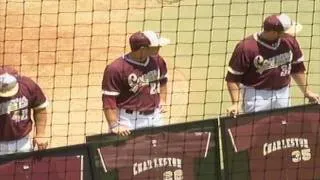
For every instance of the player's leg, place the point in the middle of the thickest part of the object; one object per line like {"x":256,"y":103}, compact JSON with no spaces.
{"x":21,"y":145}
{"x":133,"y":120}
{"x":256,"y":100}
{"x":127,"y":119}
{"x":150,"y":120}
{"x":157,"y":119}
{"x":4,"y":147}
{"x":282,"y":98}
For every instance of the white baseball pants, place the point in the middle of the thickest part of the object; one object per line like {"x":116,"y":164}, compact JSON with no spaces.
{"x":21,"y":145}
{"x":135,"y":120}
{"x":255,"y":100}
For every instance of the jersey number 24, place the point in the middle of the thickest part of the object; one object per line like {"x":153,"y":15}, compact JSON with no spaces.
{"x":155,"y":88}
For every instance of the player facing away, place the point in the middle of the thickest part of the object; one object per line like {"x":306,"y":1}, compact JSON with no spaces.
{"x":135,"y":85}
{"x":263,"y":64}
{"x":19,"y":95}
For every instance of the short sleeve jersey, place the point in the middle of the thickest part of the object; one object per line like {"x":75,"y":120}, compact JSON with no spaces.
{"x":135,"y":86}
{"x":257,"y":64}
{"x":15,"y":111}
{"x":162,"y":156}
{"x":281,"y":147}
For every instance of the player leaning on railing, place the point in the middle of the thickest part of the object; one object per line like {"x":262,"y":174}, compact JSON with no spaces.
{"x":19,"y":95}
{"x":135,"y":85}
{"x":263,"y":65}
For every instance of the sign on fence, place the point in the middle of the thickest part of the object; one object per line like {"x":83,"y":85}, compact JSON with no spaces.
{"x":281,"y":144}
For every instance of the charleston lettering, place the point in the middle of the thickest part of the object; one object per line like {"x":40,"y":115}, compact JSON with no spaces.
{"x":284,"y":144}
{"x":272,"y":62}
{"x":156,"y":163}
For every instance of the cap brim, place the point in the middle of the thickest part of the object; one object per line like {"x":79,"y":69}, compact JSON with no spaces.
{"x":294,"y":29}
{"x":162,"y":42}
{"x":11,"y":92}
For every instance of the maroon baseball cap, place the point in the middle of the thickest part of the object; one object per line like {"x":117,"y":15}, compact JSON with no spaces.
{"x":146,"y":39}
{"x":281,"y":23}
{"x":8,"y":81}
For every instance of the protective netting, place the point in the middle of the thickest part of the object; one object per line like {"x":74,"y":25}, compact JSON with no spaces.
{"x":65,"y":46}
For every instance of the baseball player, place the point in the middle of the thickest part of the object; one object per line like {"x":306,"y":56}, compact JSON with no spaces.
{"x":281,"y":146}
{"x":19,"y":95}
{"x":135,"y":85}
{"x":263,"y":64}
{"x":161,"y":156}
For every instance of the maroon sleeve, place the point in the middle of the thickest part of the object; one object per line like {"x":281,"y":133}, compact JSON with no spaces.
{"x":238,"y":64}
{"x":38,"y":99}
{"x":111,"y":87}
{"x":163,"y":71}
{"x":111,"y":83}
{"x":297,"y":60}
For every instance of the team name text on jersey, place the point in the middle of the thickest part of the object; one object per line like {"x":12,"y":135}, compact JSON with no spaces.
{"x":135,"y":82}
{"x":273,"y":62}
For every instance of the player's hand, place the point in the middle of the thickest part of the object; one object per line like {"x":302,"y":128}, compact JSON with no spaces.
{"x":121,"y":130}
{"x":40,"y":142}
{"x":234,"y":110}
{"x":313,"y":97}
{"x":163,"y":108}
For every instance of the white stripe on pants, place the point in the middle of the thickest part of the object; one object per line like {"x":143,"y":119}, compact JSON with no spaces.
{"x":136,"y":120}
{"x":21,"y":145}
{"x":255,"y":100}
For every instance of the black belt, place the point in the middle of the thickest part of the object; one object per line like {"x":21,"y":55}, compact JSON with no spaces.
{"x":140,"y":112}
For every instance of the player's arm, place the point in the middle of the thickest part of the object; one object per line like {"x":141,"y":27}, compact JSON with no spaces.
{"x":111,"y":86}
{"x":163,"y":84}
{"x":238,"y":65}
{"x":112,"y":116}
{"x":298,"y":73}
{"x":39,"y":105}
{"x":301,"y":80}
{"x":235,"y":95}
{"x":234,"y":91}
{"x":163,"y":93}
{"x":163,"y":98}
{"x":41,"y":120}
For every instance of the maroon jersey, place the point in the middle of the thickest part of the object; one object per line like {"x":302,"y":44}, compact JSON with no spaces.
{"x":129,"y":84}
{"x":15,"y":111}
{"x":257,"y":64}
{"x":281,"y":147}
{"x":161,"y":156}
{"x":54,"y":168}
